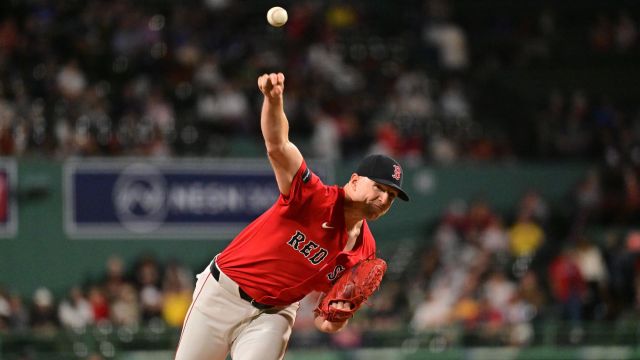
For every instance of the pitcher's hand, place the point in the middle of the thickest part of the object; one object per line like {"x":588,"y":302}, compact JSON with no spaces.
{"x":272,"y":86}
{"x":327,"y":326}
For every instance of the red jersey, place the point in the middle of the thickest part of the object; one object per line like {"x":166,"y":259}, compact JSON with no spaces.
{"x":297,"y":245}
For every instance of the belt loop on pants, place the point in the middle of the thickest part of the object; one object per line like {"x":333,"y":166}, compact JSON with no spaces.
{"x":228,"y":284}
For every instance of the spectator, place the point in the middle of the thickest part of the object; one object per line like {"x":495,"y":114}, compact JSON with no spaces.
{"x":99,"y":304}
{"x":454,"y":104}
{"x":226,"y":110}
{"x":519,"y":314}
{"x":451,"y":42}
{"x":325,"y":140}
{"x":568,"y":286}
{"x":534,"y":206}
{"x":177,"y":294}
{"x":499,"y":291}
{"x":525,"y":236}
{"x":43,"y":317}
{"x":115,"y":277}
{"x":432,"y":312}
{"x":491,"y":322}
{"x":125,"y":308}
{"x":479,"y":218}
{"x":148,"y":277}
{"x":495,"y":239}
{"x":19,"y":319}
{"x":530,"y":292}
{"x":71,"y":80}
{"x":75,"y":311}
{"x":467,"y":308}
{"x":589,"y":260}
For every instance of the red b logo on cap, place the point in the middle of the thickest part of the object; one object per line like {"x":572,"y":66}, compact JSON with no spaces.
{"x":397,"y":172}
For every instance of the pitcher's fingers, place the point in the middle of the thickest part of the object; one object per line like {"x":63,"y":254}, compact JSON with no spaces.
{"x":342,"y":305}
{"x":281,"y":78}
{"x":262,"y":81}
{"x":274,"y":79}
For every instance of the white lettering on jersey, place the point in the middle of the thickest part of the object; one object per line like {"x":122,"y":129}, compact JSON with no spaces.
{"x":335,"y":273}
{"x":307,"y":249}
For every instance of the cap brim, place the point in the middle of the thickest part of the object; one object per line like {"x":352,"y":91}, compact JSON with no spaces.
{"x":401,"y":194}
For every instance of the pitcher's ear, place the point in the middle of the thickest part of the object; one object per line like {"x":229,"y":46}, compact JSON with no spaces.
{"x":354,"y":179}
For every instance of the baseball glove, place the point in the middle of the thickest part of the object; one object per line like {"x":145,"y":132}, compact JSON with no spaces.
{"x":355,"y":286}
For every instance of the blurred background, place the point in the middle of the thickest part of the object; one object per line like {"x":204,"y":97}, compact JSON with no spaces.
{"x":132,"y":154}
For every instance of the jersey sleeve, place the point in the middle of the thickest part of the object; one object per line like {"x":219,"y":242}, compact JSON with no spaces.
{"x":304,"y":184}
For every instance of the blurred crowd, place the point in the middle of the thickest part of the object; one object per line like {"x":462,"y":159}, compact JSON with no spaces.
{"x":167,"y":78}
{"x":146,"y":293}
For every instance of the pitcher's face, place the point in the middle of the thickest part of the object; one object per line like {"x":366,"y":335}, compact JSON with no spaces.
{"x":376,"y":198}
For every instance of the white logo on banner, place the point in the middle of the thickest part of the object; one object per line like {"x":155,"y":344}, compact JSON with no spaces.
{"x":139,"y":196}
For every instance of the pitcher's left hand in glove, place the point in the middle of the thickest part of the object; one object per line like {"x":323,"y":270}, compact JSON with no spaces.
{"x":354,"y":287}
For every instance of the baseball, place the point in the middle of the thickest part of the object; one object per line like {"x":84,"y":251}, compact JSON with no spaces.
{"x":277,"y":16}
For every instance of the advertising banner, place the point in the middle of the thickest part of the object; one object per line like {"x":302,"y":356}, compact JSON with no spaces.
{"x":168,"y":199}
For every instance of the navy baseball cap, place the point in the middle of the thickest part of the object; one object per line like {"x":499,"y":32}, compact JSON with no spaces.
{"x":384,"y":170}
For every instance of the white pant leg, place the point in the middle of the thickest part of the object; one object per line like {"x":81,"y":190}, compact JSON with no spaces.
{"x":213,"y":318}
{"x":266,"y":336}
{"x":198,"y":341}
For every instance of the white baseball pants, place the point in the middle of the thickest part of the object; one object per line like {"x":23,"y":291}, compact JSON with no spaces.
{"x":219,"y":322}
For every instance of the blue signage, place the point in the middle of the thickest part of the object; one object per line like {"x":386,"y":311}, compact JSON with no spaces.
{"x":177,"y":199}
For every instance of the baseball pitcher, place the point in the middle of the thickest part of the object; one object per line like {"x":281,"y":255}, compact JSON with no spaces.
{"x":315,"y":237}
